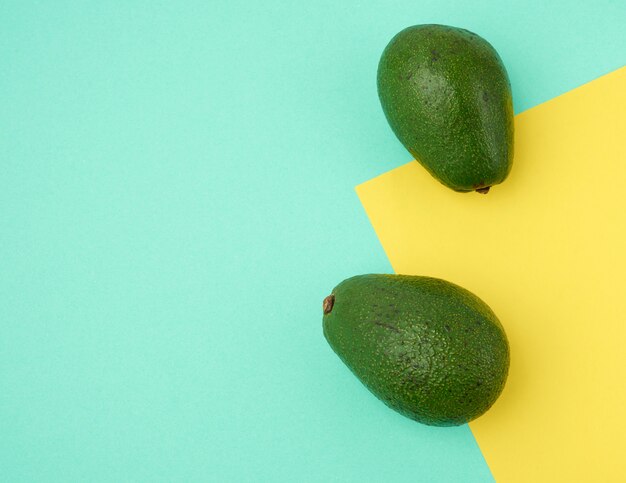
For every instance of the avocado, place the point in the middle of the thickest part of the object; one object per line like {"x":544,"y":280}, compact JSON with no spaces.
{"x":447,"y":97}
{"x":427,"y":348}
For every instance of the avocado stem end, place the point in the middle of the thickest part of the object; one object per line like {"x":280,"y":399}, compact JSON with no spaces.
{"x":328,"y":303}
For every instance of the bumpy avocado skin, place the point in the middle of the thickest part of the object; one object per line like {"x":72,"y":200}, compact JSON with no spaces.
{"x":447,"y":97}
{"x":427,"y":348}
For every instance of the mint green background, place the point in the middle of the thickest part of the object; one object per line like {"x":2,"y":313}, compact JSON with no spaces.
{"x":176,"y":198}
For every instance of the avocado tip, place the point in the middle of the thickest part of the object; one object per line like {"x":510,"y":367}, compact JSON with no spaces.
{"x":483,"y":191}
{"x":328,"y":303}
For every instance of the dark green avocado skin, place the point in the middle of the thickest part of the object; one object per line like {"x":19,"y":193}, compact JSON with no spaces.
{"x":427,"y":348}
{"x":447,"y":97}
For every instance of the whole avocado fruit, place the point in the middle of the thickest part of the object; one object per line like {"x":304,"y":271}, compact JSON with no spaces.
{"x":447,"y":97}
{"x":427,"y":348}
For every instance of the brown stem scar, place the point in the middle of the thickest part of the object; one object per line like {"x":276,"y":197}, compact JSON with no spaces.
{"x":328,"y":303}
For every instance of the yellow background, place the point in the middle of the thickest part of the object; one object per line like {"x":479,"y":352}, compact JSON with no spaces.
{"x":547,"y":251}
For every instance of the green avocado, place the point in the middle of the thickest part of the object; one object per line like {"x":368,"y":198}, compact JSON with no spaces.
{"x":427,"y":348}
{"x":447,"y":97}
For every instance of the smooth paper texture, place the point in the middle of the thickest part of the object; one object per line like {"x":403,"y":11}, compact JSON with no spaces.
{"x":546,"y":250}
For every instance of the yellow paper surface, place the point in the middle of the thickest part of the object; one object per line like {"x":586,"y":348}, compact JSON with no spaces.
{"x":547,"y":251}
